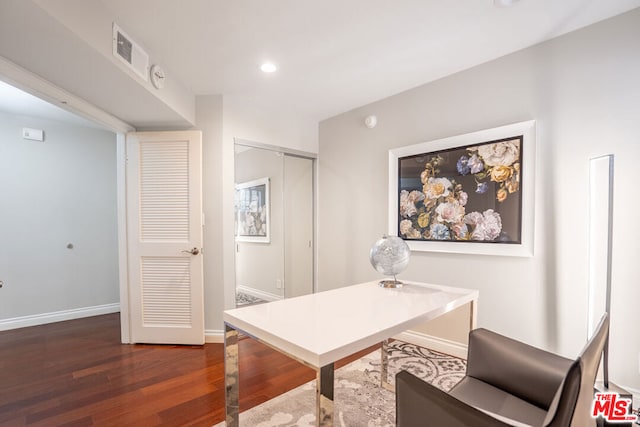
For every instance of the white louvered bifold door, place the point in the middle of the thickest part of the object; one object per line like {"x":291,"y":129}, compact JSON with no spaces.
{"x":164,"y":220}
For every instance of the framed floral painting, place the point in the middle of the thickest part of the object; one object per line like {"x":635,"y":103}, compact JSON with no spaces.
{"x":470,"y":193}
{"x":252,"y":211}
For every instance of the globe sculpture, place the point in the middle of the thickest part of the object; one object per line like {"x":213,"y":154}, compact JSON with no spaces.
{"x":390,"y":256}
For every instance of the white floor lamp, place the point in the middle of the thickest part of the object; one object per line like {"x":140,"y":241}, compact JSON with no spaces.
{"x":600,"y":244}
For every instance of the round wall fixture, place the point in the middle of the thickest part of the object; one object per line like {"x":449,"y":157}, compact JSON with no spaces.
{"x":371,"y":121}
{"x":157,"y":76}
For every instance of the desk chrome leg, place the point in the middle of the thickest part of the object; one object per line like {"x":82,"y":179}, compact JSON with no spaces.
{"x":384,"y":366}
{"x":324,"y":396}
{"x":231,"y":378}
{"x":473,"y":314}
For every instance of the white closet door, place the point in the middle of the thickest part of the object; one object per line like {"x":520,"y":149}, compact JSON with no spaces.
{"x":164,"y":237}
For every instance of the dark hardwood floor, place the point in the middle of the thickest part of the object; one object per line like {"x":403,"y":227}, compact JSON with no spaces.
{"x":76,"y":373}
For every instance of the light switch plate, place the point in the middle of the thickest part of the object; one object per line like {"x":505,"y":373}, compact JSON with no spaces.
{"x":33,"y":134}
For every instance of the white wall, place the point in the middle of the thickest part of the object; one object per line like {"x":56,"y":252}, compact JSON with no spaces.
{"x":583,"y":91}
{"x":250,"y":119}
{"x":53,"y":193}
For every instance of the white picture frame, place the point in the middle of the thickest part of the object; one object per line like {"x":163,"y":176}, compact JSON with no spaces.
{"x":524,"y":247}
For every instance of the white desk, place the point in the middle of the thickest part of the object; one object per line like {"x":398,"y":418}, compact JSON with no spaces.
{"x":322,"y":328}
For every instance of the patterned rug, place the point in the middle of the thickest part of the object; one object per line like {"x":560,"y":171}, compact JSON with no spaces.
{"x":246,"y":299}
{"x":359,"y":399}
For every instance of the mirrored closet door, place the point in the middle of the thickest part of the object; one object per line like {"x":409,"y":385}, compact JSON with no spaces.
{"x":274,"y":212}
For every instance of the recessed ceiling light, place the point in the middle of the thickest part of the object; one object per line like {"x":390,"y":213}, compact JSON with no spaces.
{"x":504,"y":3}
{"x":268,"y":67}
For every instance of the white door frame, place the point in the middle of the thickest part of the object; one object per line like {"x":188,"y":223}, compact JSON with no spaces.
{"x":31,"y":83}
{"x":123,"y":253}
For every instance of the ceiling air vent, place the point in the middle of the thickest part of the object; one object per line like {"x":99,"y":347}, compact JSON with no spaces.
{"x":130,"y":53}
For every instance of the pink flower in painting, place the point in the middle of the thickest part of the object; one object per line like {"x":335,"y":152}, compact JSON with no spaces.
{"x":451,"y":212}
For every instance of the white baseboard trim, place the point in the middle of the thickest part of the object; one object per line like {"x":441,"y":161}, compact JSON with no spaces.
{"x":636,"y":396}
{"x":213,"y":336}
{"x":57,"y":316}
{"x":434,"y":343}
{"x":267,"y":296}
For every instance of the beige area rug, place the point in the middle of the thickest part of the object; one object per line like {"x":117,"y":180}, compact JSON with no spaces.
{"x":359,"y":399}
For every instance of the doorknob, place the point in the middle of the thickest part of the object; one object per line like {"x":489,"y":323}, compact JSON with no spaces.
{"x":194,"y":251}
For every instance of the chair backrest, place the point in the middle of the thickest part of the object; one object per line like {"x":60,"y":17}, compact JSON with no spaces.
{"x":589,"y":363}
{"x":572,"y":404}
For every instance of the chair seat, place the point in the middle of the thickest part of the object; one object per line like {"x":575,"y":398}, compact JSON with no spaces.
{"x":494,"y":401}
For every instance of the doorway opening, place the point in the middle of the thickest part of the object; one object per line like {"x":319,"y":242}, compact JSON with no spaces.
{"x":59,"y":220}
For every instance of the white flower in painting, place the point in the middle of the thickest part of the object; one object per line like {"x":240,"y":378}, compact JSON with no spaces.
{"x":408,"y":202}
{"x":405,"y":226}
{"x":451,"y":212}
{"x":407,"y":230}
{"x":462,"y":198}
{"x":492,"y":224}
{"x":479,"y":233}
{"x":503,"y":153}
{"x":437,"y":187}
{"x":416,"y":196}
{"x":475,"y":163}
{"x":472,"y":218}
{"x":487,"y":226}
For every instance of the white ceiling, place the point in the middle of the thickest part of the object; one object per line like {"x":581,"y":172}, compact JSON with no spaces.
{"x":336,"y":55}
{"x":16,"y":101}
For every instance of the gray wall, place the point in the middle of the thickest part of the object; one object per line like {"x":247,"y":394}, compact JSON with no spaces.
{"x":52,"y":193}
{"x":260,"y":265}
{"x":583,"y":91}
{"x":209,"y":121}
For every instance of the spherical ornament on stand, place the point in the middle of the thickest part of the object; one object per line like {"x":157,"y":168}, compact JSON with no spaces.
{"x":390,"y":256}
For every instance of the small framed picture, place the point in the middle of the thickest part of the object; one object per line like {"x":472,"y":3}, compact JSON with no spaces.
{"x":252,"y":211}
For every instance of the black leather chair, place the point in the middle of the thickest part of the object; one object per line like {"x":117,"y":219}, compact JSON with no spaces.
{"x":507,"y":383}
